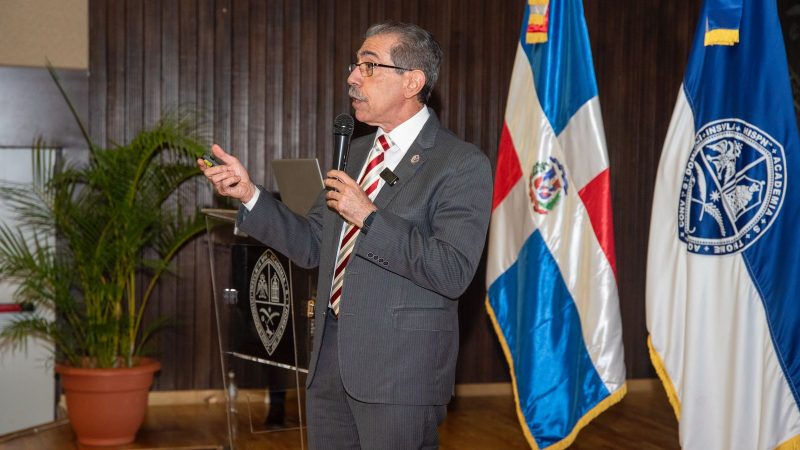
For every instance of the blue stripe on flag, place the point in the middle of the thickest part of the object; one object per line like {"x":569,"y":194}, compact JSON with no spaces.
{"x":556,"y":379}
{"x":750,"y":81}
{"x":562,"y":67}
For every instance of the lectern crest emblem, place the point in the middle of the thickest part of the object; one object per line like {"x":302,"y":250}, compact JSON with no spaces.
{"x":269,"y":300}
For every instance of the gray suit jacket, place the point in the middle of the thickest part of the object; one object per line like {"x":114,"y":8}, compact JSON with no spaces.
{"x":398,"y":318}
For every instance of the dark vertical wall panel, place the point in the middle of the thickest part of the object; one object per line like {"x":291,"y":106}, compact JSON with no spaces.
{"x":169,"y":340}
{"x":151,"y":108}
{"x":134,"y":68}
{"x":205,"y":354}
{"x":115,"y":54}
{"x":268,"y":78}
{"x":186,"y":301}
{"x":98,"y":67}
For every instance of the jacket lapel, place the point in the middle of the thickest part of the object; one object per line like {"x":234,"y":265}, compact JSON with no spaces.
{"x":414,"y":158}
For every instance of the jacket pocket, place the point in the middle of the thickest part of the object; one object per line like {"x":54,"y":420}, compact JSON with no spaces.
{"x":424,"y":319}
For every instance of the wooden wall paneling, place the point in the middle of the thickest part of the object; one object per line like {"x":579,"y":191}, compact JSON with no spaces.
{"x":240,"y":92}
{"x":152,"y":62}
{"x":169,"y":348}
{"x":134,"y":68}
{"x":325,"y":90}
{"x":186,"y":260}
{"x":293,"y":83}
{"x":221,"y":68}
{"x":410,"y":11}
{"x":438,"y":22}
{"x":790,"y":21}
{"x":275,"y":90}
{"x":151,"y":111}
{"x":312,"y":123}
{"x":205,"y":354}
{"x":340,"y":43}
{"x":97,"y":67}
{"x":461,"y":67}
{"x":115,"y":112}
{"x":376,"y":11}
{"x":256,"y":112}
{"x":461,"y":58}
{"x":477,"y":103}
{"x":362,"y":18}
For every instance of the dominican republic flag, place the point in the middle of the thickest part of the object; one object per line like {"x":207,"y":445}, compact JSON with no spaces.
{"x":552,"y":292}
{"x":723,"y":265}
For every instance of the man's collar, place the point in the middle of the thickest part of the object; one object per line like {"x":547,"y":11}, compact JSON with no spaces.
{"x":404,"y":134}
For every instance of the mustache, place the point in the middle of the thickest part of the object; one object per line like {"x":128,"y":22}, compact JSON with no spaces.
{"x":353,"y":92}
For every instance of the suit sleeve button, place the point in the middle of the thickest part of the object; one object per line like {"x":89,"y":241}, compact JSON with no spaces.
{"x":370,"y":254}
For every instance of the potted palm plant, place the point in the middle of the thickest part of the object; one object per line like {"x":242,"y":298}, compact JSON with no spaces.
{"x":88,"y":236}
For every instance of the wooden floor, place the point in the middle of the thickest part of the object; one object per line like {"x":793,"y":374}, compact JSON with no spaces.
{"x":643,"y":420}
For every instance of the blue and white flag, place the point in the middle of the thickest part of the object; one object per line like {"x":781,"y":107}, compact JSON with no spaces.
{"x":723,"y":275}
{"x":552,"y":291}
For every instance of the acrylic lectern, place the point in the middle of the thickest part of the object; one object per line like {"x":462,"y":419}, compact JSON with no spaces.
{"x":263,"y":305}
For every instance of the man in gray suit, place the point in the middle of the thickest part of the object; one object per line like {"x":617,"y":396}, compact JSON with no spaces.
{"x":393,"y":257}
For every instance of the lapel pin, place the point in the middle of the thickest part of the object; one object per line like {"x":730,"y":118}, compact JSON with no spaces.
{"x":414,"y":159}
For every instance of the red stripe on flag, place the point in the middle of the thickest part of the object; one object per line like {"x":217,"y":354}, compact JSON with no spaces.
{"x":596,"y":196}
{"x":508,"y":168}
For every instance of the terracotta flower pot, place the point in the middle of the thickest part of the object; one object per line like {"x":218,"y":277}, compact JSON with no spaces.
{"x":107,"y":406}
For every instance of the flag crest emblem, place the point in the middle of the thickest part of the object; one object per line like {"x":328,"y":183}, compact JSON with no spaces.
{"x":547,"y":181}
{"x":732,"y":187}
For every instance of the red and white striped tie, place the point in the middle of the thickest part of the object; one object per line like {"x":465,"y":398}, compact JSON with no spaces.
{"x":369,"y":182}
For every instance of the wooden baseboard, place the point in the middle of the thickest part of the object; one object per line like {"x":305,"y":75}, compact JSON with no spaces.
{"x":211,"y":396}
{"x":497,"y":389}
{"x":483,"y":389}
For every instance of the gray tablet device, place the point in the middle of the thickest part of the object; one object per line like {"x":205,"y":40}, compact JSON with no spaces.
{"x":299,"y":182}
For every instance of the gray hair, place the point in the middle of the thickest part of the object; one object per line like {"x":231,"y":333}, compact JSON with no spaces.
{"x":416,"y":49}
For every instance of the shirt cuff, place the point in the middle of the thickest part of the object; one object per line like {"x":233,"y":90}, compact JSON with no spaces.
{"x":249,"y":205}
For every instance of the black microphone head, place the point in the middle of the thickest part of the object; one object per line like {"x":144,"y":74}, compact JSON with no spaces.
{"x":343,"y":125}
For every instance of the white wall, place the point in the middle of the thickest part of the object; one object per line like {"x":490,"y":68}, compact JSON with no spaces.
{"x":33,"y":30}
{"x":27,"y":391}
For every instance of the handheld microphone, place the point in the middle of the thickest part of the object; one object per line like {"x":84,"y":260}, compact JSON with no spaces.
{"x":342,"y":130}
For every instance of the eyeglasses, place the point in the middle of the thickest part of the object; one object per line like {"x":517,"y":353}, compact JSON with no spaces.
{"x":367,"y":68}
